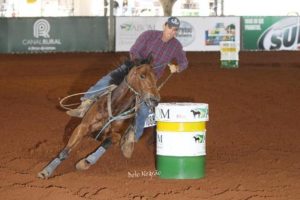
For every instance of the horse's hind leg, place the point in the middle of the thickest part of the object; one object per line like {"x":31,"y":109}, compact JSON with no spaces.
{"x":85,"y":163}
{"x":75,"y":138}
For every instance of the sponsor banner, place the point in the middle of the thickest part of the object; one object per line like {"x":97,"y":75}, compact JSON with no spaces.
{"x":181,"y":143}
{"x":195,"y":33}
{"x":59,"y":34}
{"x":181,"y":112}
{"x":271,"y":33}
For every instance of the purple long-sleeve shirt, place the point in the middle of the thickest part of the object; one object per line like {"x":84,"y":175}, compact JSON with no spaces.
{"x":162,"y":52}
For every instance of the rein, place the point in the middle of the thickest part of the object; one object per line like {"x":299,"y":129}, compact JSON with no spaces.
{"x":164,"y":82}
{"x":121,"y":116}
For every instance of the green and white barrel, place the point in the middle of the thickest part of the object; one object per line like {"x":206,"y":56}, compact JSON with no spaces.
{"x":181,"y":136}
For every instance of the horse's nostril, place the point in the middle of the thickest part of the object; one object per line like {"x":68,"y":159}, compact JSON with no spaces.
{"x":155,"y":100}
{"x":152,"y":100}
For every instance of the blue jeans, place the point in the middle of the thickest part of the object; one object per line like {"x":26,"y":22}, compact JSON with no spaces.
{"x":141,"y":115}
{"x":98,"y":88}
{"x":104,"y":82}
{"x":140,"y":119}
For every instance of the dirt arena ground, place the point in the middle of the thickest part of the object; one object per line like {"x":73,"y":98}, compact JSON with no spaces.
{"x":253,"y":136}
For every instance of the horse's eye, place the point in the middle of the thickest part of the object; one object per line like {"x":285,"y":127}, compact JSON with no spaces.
{"x":142,"y":76}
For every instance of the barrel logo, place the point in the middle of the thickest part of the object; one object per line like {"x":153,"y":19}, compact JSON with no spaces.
{"x":199,"y":113}
{"x":199,"y":138}
{"x":164,"y":114}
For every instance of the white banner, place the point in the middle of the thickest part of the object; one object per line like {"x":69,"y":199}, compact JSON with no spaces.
{"x":195,"y":33}
{"x":181,"y":112}
{"x":181,"y":143}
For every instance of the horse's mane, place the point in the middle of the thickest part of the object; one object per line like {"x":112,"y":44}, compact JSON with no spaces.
{"x":119,"y":74}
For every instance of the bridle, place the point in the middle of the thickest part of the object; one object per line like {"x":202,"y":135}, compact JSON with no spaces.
{"x":131,"y":88}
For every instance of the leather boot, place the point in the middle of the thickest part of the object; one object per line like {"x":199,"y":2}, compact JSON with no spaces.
{"x":80,"y":110}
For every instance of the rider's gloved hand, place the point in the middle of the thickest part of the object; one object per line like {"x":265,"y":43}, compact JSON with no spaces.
{"x":173,"y":68}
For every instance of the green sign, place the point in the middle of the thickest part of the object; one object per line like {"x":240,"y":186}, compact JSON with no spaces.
{"x":271,"y":33}
{"x":63,"y":34}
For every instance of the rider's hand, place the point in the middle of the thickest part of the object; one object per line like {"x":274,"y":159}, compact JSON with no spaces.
{"x":173,"y":68}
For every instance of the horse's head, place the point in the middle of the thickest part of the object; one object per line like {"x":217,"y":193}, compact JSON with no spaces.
{"x":143,"y":81}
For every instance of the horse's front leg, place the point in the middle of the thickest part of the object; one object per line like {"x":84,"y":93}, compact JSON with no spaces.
{"x":75,"y":138}
{"x":92,"y":158}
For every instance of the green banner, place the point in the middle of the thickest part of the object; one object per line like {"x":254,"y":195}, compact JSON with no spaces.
{"x":270,"y":33}
{"x":3,"y":35}
{"x":62,"y":34}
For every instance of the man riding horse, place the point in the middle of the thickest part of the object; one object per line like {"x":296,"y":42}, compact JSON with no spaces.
{"x":111,"y":114}
{"x":164,"y":48}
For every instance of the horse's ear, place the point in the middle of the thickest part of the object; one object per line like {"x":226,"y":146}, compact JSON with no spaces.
{"x":150,"y":58}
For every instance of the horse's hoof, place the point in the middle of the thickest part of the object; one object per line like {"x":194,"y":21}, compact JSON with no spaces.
{"x":43,"y":174}
{"x":83,"y":164}
{"x":127,"y":149}
{"x":127,"y":145}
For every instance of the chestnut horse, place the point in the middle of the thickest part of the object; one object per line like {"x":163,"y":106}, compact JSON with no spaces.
{"x":110,"y":114}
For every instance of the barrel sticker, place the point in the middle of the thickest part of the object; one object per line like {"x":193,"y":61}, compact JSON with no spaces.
{"x":200,"y":113}
{"x":181,"y":113}
{"x":181,"y":143}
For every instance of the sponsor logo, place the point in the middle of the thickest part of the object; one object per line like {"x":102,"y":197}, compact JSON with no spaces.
{"x":159,"y":138}
{"x":220,"y":32}
{"x":164,"y":114}
{"x":283,"y":35}
{"x":199,"y":138}
{"x":41,"y":28}
{"x":137,"y":27}
{"x":199,"y":113}
{"x":41,"y":40}
{"x":186,"y":33}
